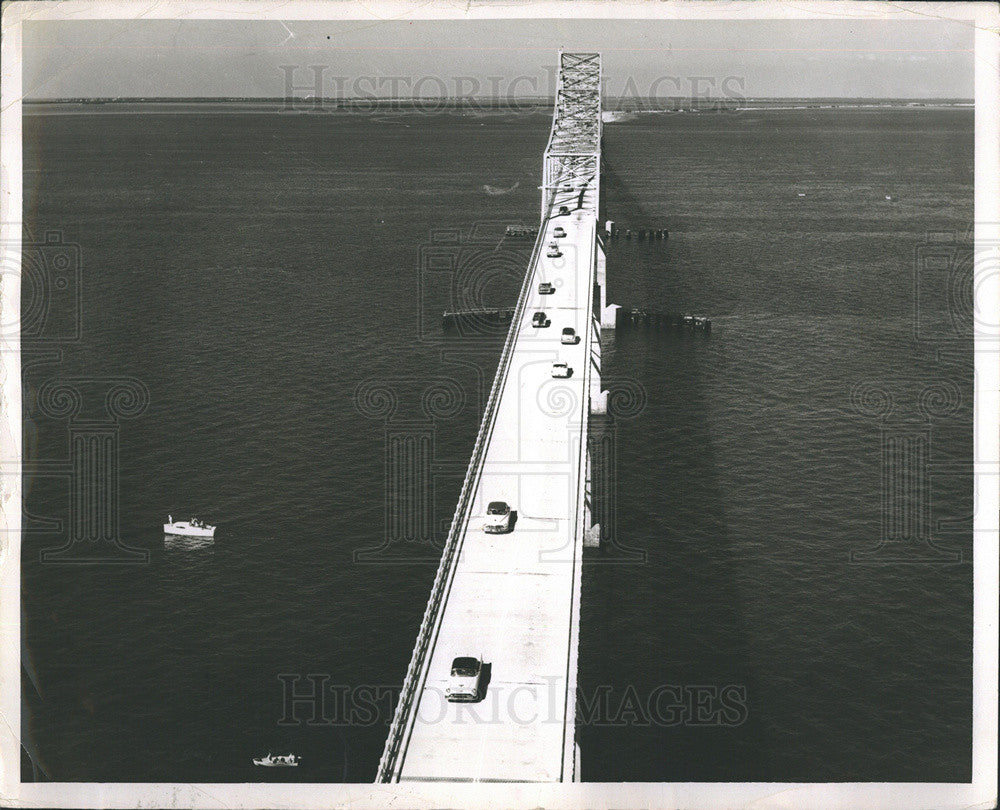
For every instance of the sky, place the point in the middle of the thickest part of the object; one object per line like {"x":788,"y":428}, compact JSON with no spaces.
{"x":496,"y":58}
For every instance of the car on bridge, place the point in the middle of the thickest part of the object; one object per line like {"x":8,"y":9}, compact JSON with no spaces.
{"x":498,"y":518}
{"x":539,"y":320}
{"x":561,"y":370}
{"x":569,"y":336}
{"x":546,"y":288}
{"x":559,"y":232}
{"x":553,"y":251}
{"x":466,"y":680}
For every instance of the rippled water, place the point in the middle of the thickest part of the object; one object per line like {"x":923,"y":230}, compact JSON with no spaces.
{"x":252,"y":270}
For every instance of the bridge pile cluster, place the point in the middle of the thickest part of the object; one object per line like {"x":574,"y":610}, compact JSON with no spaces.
{"x":652,"y":319}
{"x":521,"y":231}
{"x":614,"y":232}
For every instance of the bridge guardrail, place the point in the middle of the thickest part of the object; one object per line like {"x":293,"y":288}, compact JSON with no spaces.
{"x":580,"y":527}
{"x":387,"y":762}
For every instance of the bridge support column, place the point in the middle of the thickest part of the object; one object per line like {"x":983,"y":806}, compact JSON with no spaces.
{"x":608,"y":312}
{"x":591,"y":539}
{"x":601,"y":460}
{"x":598,"y":397}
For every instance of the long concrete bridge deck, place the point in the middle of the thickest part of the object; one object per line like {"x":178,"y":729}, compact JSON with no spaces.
{"x":512,"y":599}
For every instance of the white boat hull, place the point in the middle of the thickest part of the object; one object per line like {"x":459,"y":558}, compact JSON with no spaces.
{"x":183,"y":529}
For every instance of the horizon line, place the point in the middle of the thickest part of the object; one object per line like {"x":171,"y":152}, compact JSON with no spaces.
{"x":481,"y":99}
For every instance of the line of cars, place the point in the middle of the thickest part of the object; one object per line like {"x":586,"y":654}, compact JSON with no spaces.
{"x":541,"y":321}
{"x":465,"y":684}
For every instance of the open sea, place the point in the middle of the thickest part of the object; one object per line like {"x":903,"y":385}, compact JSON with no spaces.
{"x":260,"y":274}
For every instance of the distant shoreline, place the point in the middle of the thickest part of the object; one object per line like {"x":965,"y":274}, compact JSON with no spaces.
{"x":618,"y":106}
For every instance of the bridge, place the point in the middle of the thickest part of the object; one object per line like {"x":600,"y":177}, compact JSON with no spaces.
{"x":512,"y":600}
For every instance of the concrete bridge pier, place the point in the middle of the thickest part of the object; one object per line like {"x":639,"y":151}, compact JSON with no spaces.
{"x":601,"y":462}
{"x":598,"y":396}
{"x":592,"y":531}
{"x":598,"y":407}
{"x":608,"y":312}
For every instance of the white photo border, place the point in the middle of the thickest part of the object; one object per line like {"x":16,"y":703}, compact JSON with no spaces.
{"x":980,"y":792}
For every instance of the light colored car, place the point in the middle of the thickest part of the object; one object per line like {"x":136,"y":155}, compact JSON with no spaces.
{"x":546,"y":288}
{"x":465,"y":683}
{"x":553,"y":251}
{"x":561,"y":370}
{"x":559,"y":232}
{"x":498,"y":518}
{"x":569,"y":336}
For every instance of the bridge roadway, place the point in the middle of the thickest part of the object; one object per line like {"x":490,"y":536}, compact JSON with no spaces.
{"x":514,"y":598}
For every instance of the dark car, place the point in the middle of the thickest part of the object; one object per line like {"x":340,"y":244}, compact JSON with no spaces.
{"x":539,"y":320}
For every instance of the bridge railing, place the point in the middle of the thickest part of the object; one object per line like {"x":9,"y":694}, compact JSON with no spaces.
{"x":579,"y":531}
{"x":411,"y":682}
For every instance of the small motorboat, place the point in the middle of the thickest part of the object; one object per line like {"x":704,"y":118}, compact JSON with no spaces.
{"x":278,"y":761}
{"x":188,"y":528}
